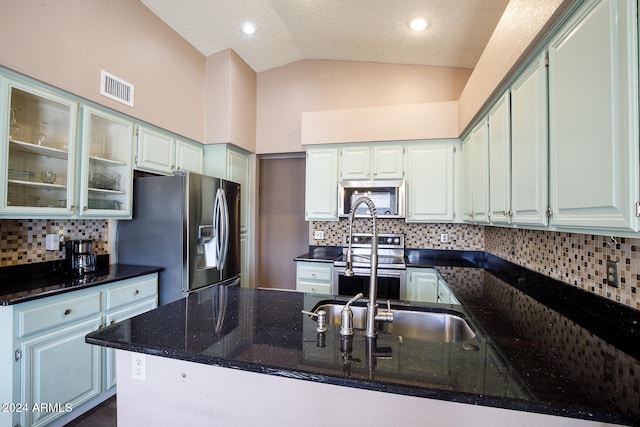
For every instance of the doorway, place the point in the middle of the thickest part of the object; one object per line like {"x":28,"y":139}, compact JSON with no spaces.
{"x":283,"y":233}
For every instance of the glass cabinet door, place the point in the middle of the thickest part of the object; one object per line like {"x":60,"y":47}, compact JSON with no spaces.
{"x":107,"y":151}
{"x":38,"y":148}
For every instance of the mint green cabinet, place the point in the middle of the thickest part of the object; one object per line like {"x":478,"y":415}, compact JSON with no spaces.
{"x":499,"y":123}
{"x":58,"y":162}
{"x":593,"y":118}
{"x":365,"y":162}
{"x":321,"y":185}
{"x":45,"y":358}
{"x":106,"y":165}
{"x":475,"y":200}
{"x":160,"y":152}
{"x":422,"y":285}
{"x":38,"y":146}
{"x":314,"y":277}
{"x":430,"y":190}
{"x":189,"y":156}
{"x":529,"y":145}
{"x":426,"y":285}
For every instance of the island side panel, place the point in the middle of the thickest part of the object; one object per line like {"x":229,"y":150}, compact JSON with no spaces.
{"x":176,"y":392}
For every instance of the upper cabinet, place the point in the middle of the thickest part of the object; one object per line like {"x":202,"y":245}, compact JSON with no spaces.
{"x":105,"y":167}
{"x":159,"y":152}
{"x":476,"y":174}
{"x":321,"y":192}
{"x":430,"y":182}
{"x":500,"y":161}
{"x":593,"y":117}
{"x":370,"y":162}
{"x":529,"y":145}
{"x":38,"y":144}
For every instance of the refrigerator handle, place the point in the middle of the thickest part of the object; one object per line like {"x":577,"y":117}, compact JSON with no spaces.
{"x":225,"y":223}
{"x":221,"y":223}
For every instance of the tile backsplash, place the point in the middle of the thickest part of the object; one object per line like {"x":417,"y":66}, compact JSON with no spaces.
{"x":22,"y":241}
{"x":576,"y":259}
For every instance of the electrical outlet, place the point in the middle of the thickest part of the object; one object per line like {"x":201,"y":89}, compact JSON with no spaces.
{"x":318,"y":235}
{"x":612,"y":273}
{"x":138,"y":366}
{"x":52,"y":242}
{"x":444,"y":238}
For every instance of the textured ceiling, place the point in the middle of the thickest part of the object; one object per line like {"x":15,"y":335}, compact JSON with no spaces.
{"x":353,"y":30}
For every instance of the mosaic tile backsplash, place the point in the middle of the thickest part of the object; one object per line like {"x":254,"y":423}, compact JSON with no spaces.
{"x":576,"y":259}
{"x":23,"y":241}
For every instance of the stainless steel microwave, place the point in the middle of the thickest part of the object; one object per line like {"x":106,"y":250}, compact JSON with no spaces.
{"x":387,"y":196}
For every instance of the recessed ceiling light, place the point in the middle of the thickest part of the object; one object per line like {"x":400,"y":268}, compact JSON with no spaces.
{"x":249,"y":28}
{"x":418,"y":24}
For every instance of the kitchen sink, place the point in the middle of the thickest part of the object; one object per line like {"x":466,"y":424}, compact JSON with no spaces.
{"x":431,"y":325}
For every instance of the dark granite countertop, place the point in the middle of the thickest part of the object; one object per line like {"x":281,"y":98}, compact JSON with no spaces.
{"x":321,"y":254}
{"x":529,"y":353}
{"x":32,"y":281}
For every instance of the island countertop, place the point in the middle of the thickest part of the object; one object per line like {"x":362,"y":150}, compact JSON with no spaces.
{"x":525,"y":355}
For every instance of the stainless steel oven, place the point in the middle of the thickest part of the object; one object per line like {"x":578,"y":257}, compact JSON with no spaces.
{"x":391,"y":267}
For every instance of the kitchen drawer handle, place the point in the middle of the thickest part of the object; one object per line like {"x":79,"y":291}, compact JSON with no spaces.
{"x":67,"y":312}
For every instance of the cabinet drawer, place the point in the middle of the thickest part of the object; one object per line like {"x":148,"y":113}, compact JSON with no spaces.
{"x":321,"y":274}
{"x":47,"y":315}
{"x":314,"y":288}
{"x":131,"y":292}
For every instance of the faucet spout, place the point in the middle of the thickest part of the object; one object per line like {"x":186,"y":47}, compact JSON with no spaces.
{"x":372,"y":307}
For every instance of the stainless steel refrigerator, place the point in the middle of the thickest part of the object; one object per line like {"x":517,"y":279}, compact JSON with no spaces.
{"x":189,"y":224}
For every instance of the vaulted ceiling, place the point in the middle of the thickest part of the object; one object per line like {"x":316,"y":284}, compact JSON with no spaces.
{"x":350,"y":30}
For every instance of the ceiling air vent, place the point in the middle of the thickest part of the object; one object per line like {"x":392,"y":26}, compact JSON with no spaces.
{"x":115,"y":88}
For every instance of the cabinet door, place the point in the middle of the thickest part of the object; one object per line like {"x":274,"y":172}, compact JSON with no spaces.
{"x":422,"y":285}
{"x":155,"y":152}
{"x":355,"y":163}
{"x":105,"y":168}
{"x":529,"y":146}
{"x":388,"y":161}
{"x":37,"y":164}
{"x":238,"y":171}
{"x":477,"y":164}
{"x":59,"y":367}
{"x":430,"y":182}
{"x":189,"y":156}
{"x":593,"y":117}
{"x":500,"y":161}
{"x":321,"y":192}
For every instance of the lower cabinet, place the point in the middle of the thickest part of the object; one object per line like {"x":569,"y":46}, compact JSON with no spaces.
{"x":314,"y":277}
{"x":426,"y":285}
{"x":51,"y":370}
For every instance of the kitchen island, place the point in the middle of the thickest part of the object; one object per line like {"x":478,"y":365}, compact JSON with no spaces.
{"x":245,"y":356}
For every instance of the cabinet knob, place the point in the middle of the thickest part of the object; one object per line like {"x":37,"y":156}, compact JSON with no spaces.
{"x":67,"y":312}
{"x":136,"y":292}
{"x":85,"y":208}
{"x":313,"y":275}
{"x":548,"y":212}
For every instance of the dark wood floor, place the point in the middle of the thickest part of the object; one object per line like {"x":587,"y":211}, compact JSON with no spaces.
{"x":103,"y":415}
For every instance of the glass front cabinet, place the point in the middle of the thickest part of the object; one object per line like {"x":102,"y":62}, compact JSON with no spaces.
{"x":52,"y":165}
{"x":105,"y":166}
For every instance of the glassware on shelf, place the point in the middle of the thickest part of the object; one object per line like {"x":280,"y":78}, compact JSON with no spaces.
{"x":15,"y":131}
{"x":40,"y":138}
{"x":48,"y":177}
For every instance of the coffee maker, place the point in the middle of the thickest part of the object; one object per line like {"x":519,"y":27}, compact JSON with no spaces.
{"x":80,"y":260}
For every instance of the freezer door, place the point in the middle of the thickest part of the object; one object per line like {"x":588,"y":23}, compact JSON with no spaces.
{"x":203,"y":252}
{"x":231,"y":262}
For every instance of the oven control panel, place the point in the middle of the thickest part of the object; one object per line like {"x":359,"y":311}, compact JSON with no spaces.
{"x":394,"y":241}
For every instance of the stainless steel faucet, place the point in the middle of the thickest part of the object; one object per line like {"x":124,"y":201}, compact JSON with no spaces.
{"x":372,"y":306}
